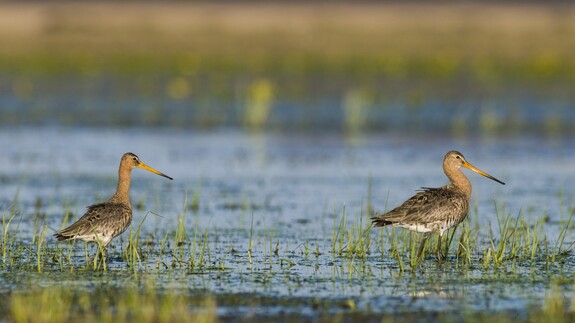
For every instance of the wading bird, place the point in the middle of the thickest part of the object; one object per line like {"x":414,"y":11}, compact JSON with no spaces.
{"x":436,"y":209}
{"x":105,"y":221}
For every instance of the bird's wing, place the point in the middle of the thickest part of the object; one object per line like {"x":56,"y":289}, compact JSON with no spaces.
{"x":427,"y":206}
{"x":97,"y":216}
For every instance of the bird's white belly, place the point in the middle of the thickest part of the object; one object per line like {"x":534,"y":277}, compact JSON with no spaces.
{"x":416,"y":227}
{"x":439,"y":227}
{"x":95,"y":237}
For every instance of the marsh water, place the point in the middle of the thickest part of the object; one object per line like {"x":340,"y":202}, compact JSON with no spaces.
{"x":267,"y":207}
{"x":285,"y":127}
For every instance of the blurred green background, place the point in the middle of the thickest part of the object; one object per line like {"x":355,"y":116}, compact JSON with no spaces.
{"x":457,"y":68}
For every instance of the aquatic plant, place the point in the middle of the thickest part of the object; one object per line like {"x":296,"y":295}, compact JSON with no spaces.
{"x":258,"y":104}
{"x":143,"y":304}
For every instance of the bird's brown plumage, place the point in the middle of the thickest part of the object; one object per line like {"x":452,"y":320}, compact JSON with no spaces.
{"x":436,"y":209}
{"x":105,"y":221}
{"x":432,"y":210}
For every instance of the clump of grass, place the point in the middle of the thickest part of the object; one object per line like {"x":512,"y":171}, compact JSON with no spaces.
{"x":355,"y":106}
{"x":7,"y":241}
{"x":258,"y":104}
{"x":132,"y":254}
{"x":181,"y":236}
{"x":508,"y":235}
{"x":467,"y":242}
{"x":405,"y":243}
{"x":555,"y":305}
{"x":199,"y":250}
{"x":558,"y":249}
{"x":519,"y":241}
{"x":251,"y":244}
{"x":354,"y":241}
{"x":195,"y":203}
{"x":39,"y":251}
{"x":64,"y":304}
{"x":43,"y":305}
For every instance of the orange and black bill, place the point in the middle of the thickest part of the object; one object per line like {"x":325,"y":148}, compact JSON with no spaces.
{"x":150,"y":169}
{"x":479,"y":171}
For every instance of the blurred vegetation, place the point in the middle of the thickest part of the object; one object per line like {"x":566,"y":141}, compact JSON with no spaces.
{"x":289,"y":66}
{"x":154,"y":304}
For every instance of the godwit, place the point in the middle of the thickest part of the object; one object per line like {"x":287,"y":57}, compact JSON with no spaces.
{"x":105,"y":221}
{"x":436,"y":209}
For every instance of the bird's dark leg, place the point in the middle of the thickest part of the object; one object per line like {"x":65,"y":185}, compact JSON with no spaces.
{"x":422,"y":245}
{"x":440,"y":256}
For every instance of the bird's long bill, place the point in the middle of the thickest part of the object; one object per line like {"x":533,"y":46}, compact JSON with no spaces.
{"x":479,"y":171}
{"x":150,"y":169}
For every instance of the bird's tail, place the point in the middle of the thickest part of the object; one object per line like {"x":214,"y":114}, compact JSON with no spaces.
{"x":61,"y":237}
{"x":380,"y":221}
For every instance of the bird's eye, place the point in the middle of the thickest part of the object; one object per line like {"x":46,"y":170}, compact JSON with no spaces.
{"x":135,"y":158}
{"x":458,"y":157}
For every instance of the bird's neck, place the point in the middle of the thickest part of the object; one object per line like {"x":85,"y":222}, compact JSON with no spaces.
{"x":123,"y":191}
{"x":459,"y":180}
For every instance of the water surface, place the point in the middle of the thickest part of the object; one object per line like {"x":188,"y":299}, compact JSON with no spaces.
{"x":295,"y":188}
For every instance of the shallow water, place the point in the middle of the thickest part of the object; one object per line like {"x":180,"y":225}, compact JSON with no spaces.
{"x":295,"y":189}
